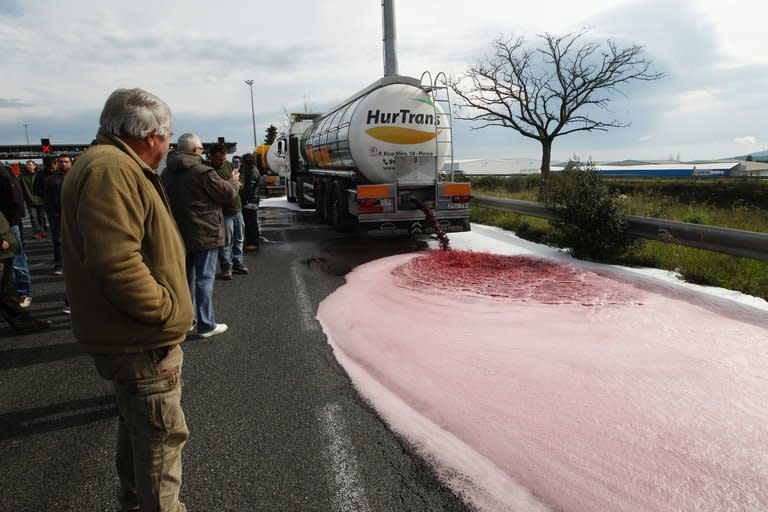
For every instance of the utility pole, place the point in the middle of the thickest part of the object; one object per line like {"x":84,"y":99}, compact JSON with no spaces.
{"x":26,"y":131}
{"x":253,"y":114}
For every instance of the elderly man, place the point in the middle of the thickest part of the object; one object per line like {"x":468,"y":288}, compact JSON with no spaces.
{"x":128,"y":291}
{"x":197,"y":193}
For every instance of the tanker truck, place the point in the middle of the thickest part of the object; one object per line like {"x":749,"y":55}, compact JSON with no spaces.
{"x":373,"y":163}
{"x":270,"y":161}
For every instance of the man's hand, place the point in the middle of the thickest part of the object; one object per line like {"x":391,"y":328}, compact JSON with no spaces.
{"x":5,"y":245}
{"x":236,"y":177}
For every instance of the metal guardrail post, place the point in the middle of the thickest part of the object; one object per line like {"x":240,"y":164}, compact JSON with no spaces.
{"x":736,"y":242}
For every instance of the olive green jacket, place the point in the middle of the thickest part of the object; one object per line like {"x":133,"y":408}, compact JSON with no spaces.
{"x":27,"y":180}
{"x":7,"y":234}
{"x":124,"y":260}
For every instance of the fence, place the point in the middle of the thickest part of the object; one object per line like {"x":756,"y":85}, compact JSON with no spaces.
{"x":736,"y":242}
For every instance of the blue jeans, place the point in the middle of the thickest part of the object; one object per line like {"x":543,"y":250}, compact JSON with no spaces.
{"x":21,"y":277}
{"x":201,"y":271}
{"x":55,"y":221}
{"x":234,"y":233}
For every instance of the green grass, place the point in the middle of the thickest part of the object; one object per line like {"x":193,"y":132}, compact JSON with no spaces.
{"x":650,"y":200}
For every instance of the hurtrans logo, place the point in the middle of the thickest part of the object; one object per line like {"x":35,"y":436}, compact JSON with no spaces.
{"x":402,"y":134}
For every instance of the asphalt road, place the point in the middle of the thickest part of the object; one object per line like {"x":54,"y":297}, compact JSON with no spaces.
{"x":275,"y":423}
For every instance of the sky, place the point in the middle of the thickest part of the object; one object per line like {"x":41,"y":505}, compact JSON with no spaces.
{"x":560,"y":384}
{"x":62,"y":59}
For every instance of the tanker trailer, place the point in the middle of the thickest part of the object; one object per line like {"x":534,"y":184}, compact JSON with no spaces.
{"x":373,"y":162}
{"x":270,"y":161}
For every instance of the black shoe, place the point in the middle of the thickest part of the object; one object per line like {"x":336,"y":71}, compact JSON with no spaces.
{"x":226,"y":275}
{"x":31,"y":325}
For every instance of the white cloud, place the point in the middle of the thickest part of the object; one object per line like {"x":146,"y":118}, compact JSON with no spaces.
{"x":751,"y":139}
{"x":196,"y":57}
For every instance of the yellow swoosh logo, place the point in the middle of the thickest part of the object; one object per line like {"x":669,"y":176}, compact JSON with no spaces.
{"x":397,"y":135}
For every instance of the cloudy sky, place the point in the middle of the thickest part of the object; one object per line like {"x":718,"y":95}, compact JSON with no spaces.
{"x":62,"y":59}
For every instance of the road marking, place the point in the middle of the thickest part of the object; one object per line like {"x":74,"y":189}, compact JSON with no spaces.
{"x":348,"y":494}
{"x":306,"y":310}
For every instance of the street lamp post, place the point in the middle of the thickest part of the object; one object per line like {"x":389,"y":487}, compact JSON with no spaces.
{"x":26,"y":131}
{"x":253,"y":114}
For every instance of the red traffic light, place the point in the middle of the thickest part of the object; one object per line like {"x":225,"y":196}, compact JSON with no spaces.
{"x":46,"y":143}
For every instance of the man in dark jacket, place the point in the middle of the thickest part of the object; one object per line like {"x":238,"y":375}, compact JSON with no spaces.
{"x":52,"y":200}
{"x":14,"y":314}
{"x":50,"y":165}
{"x":250,"y":177}
{"x":12,"y":206}
{"x":197,"y":193}
{"x":34,"y":202}
{"x":128,"y":291}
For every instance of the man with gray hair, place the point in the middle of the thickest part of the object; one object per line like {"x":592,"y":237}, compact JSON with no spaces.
{"x":128,"y":291}
{"x":196,"y":193}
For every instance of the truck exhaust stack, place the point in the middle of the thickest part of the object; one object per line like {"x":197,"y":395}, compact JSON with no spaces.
{"x":390,"y":51}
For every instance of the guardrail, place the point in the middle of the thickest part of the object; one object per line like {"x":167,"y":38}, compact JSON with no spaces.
{"x":736,"y":242}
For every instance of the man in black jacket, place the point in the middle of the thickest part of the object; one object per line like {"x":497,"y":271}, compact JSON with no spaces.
{"x":12,"y":206}
{"x":14,"y":314}
{"x":52,"y":200}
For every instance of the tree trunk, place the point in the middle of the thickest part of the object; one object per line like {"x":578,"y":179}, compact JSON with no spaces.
{"x":546,"y":156}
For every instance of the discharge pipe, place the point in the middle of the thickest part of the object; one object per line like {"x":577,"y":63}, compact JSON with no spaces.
{"x":388,"y":22}
{"x":445,"y":244}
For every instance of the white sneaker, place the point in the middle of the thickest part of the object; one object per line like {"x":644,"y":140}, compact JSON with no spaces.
{"x":220,"y":328}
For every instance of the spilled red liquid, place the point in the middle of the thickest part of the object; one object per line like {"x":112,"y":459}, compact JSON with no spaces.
{"x":528,"y":406}
{"x":517,"y":278}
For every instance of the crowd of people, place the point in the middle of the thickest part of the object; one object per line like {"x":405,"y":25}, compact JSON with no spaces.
{"x":36,"y":194}
{"x":138,"y":248}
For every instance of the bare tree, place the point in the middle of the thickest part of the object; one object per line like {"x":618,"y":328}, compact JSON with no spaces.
{"x":547,"y":92}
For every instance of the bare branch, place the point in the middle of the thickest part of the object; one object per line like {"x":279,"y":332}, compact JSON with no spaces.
{"x":552,"y":90}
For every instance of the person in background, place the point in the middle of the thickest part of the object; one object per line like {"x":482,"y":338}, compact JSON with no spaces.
{"x":128,"y":292}
{"x":12,"y":207}
{"x":34,"y":203}
{"x":52,"y":200}
{"x":235,"y":163}
{"x":196,"y":193}
{"x":16,"y":316}
{"x":50,"y":165}
{"x":231,"y":253}
{"x":249,"y":194}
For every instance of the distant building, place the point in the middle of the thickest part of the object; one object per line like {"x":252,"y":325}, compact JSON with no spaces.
{"x":625,"y":168}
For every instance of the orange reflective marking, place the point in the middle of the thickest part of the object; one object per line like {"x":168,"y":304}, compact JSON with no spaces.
{"x":364,"y":191}
{"x":457,"y":189}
